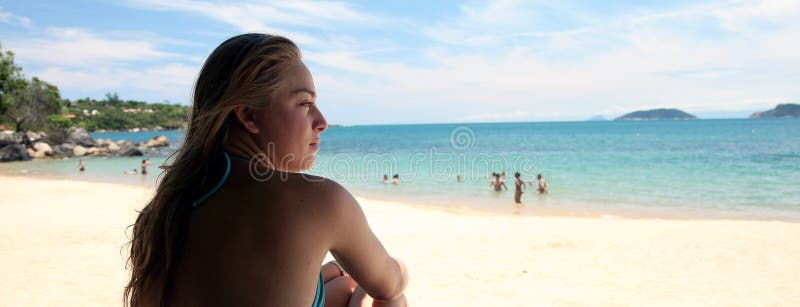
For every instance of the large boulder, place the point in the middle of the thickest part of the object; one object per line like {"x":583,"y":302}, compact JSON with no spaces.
{"x":14,"y":152}
{"x":79,"y":151}
{"x":159,"y":141}
{"x":80,"y":137}
{"x":42,"y":146}
{"x":112,"y":147}
{"x":9,"y":137}
{"x":41,"y":149}
{"x":65,"y":148}
{"x":35,"y":154}
{"x":57,"y":153}
{"x":128,"y":150}
{"x":20,"y":136}
{"x":33,"y":137}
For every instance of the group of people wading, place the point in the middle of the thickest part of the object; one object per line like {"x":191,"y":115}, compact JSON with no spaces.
{"x":499,"y":184}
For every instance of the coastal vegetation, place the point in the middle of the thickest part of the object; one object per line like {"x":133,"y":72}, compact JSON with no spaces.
{"x":657,"y":114}
{"x":113,"y":113}
{"x":36,"y":105}
{"x":36,"y":123}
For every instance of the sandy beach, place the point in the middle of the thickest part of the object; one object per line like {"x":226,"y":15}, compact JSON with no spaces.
{"x":61,"y":243}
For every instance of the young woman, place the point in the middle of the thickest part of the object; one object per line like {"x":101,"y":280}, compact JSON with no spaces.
{"x":233,"y":222}
{"x":519,"y":188}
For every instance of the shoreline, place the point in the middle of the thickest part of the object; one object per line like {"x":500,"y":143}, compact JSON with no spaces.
{"x":512,"y":210}
{"x":63,"y":243}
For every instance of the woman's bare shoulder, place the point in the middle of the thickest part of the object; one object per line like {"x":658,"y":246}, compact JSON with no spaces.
{"x":323,"y":190}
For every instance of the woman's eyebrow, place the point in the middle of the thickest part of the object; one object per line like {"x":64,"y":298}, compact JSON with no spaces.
{"x":305,"y":90}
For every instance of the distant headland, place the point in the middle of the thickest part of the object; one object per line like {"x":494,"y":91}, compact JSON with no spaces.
{"x":657,"y":114}
{"x":786,"y":110}
{"x":597,"y":118}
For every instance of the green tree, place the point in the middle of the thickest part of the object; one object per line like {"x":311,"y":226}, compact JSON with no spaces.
{"x":31,"y":106}
{"x":58,"y":121}
{"x":12,"y":82}
{"x":113,"y":97}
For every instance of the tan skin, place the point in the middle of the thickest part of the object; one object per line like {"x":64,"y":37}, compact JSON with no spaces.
{"x":498,"y":184}
{"x":260,"y":243}
{"x":520,"y":188}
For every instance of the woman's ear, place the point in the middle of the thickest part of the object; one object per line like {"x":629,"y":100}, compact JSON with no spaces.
{"x":244,"y":115}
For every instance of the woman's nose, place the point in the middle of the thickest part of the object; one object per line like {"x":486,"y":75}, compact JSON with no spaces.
{"x":320,"y":124}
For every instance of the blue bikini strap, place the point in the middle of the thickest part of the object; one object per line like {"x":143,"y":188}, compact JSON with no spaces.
{"x":218,"y":185}
{"x":239,"y":158}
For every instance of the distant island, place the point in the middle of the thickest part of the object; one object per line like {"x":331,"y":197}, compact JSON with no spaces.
{"x":786,"y":110}
{"x":657,"y":114}
{"x":597,"y":118}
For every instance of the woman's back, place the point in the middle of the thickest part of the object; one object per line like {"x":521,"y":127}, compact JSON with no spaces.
{"x":257,"y":240}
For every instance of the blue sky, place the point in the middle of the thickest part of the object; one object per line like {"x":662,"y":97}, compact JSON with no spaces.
{"x":387,"y":62}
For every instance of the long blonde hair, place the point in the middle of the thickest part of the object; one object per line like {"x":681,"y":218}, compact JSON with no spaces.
{"x":244,"y":70}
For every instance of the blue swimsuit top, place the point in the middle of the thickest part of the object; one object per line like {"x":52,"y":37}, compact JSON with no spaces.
{"x":319,"y":296}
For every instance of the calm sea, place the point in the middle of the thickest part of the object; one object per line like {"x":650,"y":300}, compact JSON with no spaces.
{"x":732,"y":168}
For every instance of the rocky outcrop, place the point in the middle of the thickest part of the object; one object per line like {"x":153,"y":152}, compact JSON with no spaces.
{"x":159,"y":141}
{"x":80,"y":137}
{"x":79,"y":151}
{"x":8,"y":137}
{"x":31,"y":137}
{"x":18,"y":146}
{"x":129,"y":151}
{"x":14,"y":152}
{"x":41,"y":149}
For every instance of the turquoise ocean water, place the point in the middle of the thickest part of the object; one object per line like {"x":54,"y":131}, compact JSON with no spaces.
{"x":731,"y":168}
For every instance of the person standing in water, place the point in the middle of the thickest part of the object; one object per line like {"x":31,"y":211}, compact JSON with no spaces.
{"x":145,"y":163}
{"x":519,"y":186}
{"x":498,"y":183}
{"x":396,"y":179}
{"x":81,"y":166}
{"x":542,"y":184}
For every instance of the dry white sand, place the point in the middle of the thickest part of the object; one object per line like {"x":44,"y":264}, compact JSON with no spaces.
{"x":61,"y":244}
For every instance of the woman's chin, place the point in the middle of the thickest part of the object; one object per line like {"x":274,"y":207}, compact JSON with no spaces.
{"x":307,"y":163}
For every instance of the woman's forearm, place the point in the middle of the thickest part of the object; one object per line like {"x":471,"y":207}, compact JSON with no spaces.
{"x":401,"y":271}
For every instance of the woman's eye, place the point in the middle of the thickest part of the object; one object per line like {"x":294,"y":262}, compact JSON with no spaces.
{"x":307,"y":104}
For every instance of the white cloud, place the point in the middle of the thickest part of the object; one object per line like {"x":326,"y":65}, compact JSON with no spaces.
{"x":672,"y":58}
{"x":81,"y":61}
{"x":80,"y":47}
{"x":270,"y":17}
{"x":13,"y":19}
{"x":494,"y":60}
{"x":155,"y":83}
{"x":750,"y":16}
